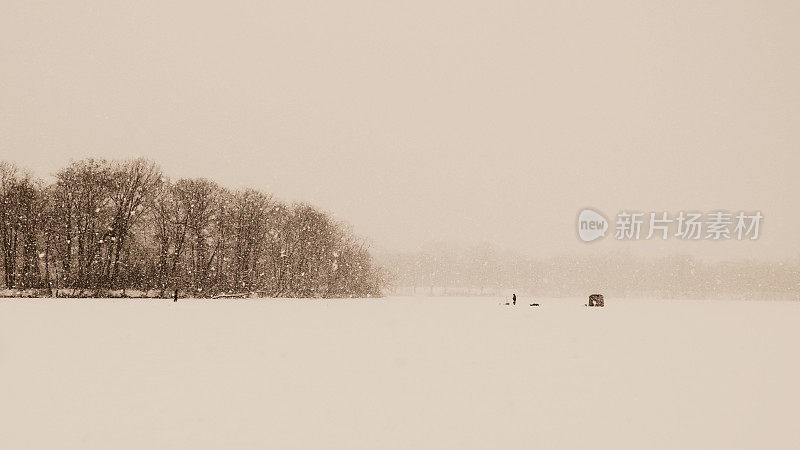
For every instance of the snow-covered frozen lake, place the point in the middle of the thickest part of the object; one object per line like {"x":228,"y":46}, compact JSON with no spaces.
{"x":398,"y":373}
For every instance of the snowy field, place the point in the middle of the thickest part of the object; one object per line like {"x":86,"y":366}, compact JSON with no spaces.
{"x":401,"y":373}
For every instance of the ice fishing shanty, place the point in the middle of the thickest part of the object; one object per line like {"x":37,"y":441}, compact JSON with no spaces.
{"x":596,"y":300}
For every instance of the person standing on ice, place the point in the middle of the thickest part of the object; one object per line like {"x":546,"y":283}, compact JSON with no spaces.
{"x":514,"y":299}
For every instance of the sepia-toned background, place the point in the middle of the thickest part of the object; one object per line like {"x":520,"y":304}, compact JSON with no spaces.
{"x":460,"y":138}
{"x":457,"y":121}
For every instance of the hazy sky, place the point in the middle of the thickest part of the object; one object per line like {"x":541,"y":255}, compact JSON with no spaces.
{"x":463,"y":121}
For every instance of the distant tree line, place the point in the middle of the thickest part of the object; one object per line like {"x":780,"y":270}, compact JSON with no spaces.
{"x":111,"y":225}
{"x":447,"y":269}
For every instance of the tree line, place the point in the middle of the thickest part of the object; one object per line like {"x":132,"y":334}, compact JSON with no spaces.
{"x":115,"y":225}
{"x":448,"y":269}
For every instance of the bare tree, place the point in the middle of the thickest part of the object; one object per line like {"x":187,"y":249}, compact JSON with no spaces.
{"x":84,"y":189}
{"x":198,"y":205}
{"x":132,"y":182}
{"x":108,"y":225}
{"x":250,"y":222}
